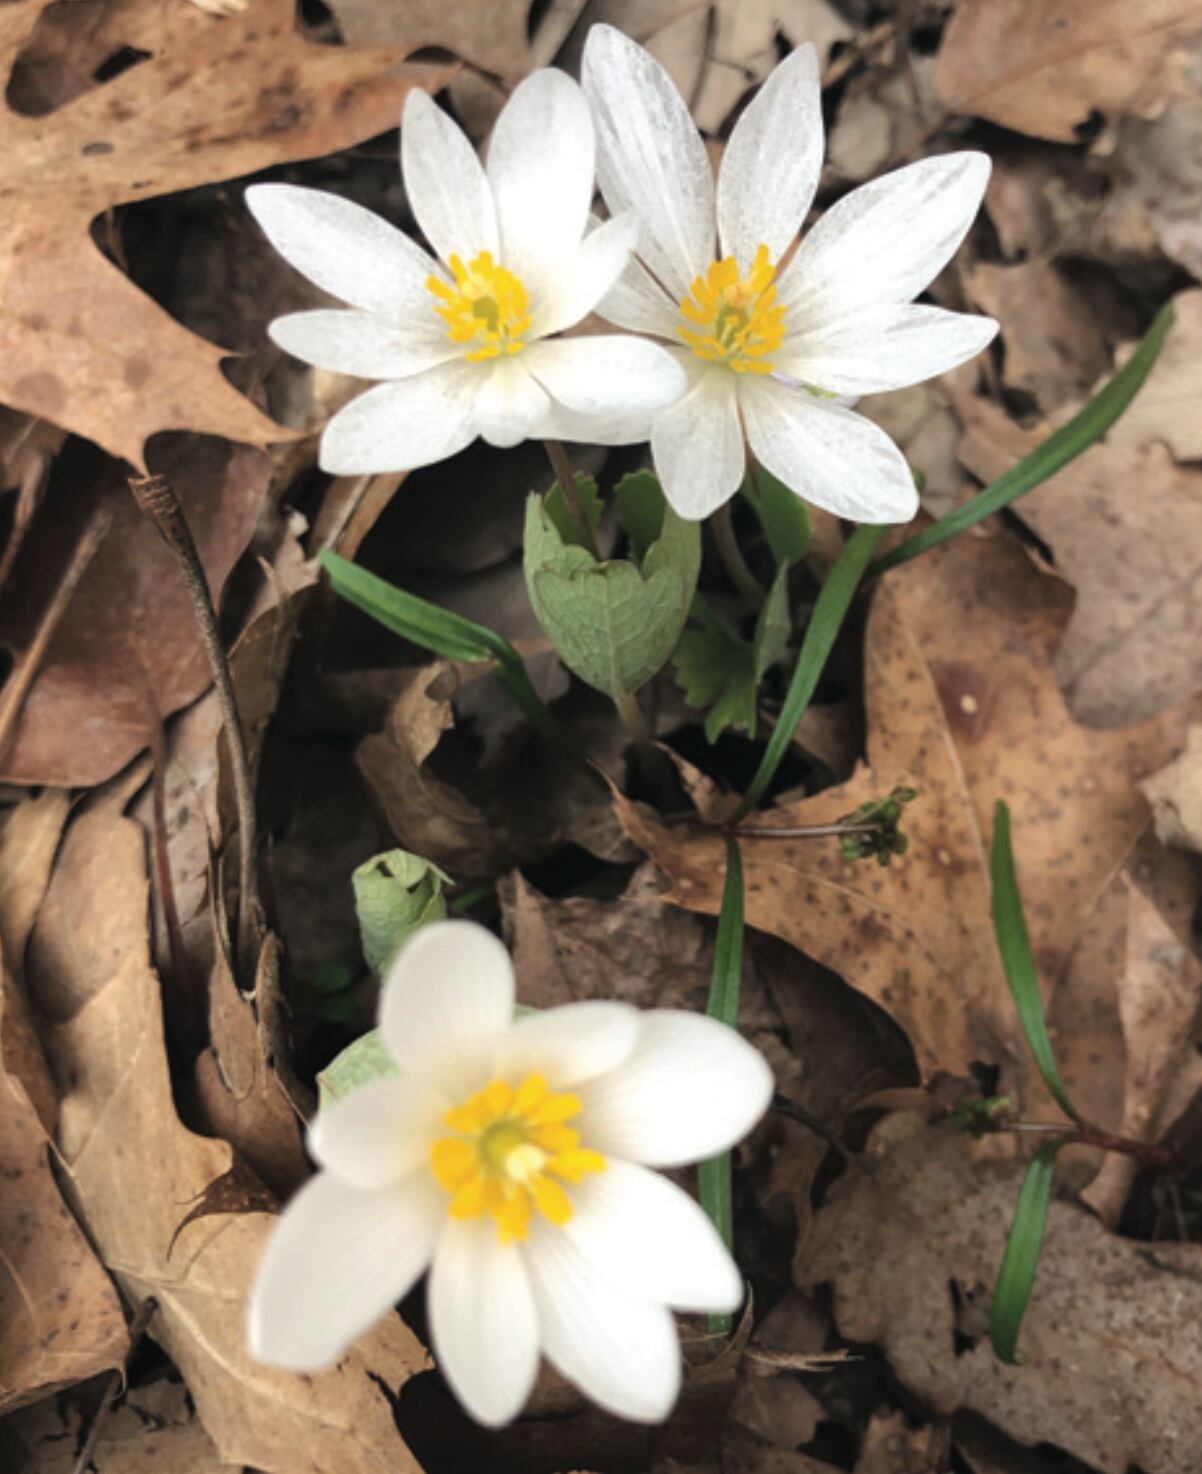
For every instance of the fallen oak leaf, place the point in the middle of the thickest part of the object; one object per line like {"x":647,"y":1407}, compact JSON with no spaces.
{"x":60,"y":1319}
{"x":80,"y":344}
{"x":135,"y":1172}
{"x":962,"y":705}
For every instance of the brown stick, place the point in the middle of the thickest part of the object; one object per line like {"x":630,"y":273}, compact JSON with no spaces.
{"x":137,"y":1329}
{"x":23,"y":676}
{"x":156,"y":497}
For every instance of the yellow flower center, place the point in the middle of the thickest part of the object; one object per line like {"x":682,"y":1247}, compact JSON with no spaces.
{"x":732,"y":319}
{"x":509,"y":1154}
{"x":487,"y":307}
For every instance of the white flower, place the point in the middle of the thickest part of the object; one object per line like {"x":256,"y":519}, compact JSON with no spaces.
{"x":513,"y":1158}
{"x":771,"y":343}
{"x":466,"y":342}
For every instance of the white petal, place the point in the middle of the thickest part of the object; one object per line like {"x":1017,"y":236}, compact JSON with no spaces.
{"x":770,"y":169}
{"x":829,"y":455}
{"x":569,"y":1044}
{"x":482,"y":1320}
{"x":650,"y":157}
{"x":637,"y":302}
{"x":652,"y":1240}
{"x":886,"y":241}
{"x":884,"y":348}
{"x":447,"y":999}
{"x":448,"y":191}
{"x":623,"y":427}
{"x":698,"y":446}
{"x":398,"y":426}
{"x":579,"y":281}
{"x":510,"y":403}
{"x":692,"y":1088}
{"x":621,"y":1351}
{"x":598,"y":376}
{"x":337,"y":1260}
{"x":362,"y":344}
{"x":345,"y":249}
{"x":379,"y":1133}
{"x":540,"y":166}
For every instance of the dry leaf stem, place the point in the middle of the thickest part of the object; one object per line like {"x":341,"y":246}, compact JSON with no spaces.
{"x":1084,"y":1133}
{"x":137,"y":1329}
{"x":566,"y":477}
{"x":156,"y":497}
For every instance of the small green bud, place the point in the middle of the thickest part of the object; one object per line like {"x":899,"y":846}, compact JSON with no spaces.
{"x":395,"y":893}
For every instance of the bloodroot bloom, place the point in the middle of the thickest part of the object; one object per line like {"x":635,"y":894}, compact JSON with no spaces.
{"x":514,"y":1159}
{"x":770,"y":340}
{"x":466,"y":342}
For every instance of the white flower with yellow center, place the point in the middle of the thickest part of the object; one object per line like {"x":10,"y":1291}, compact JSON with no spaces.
{"x":771,"y":340}
{"x":513,"y":1158}
{"x":466,"y":342}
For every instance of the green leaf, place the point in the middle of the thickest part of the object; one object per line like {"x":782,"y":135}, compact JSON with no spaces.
{"x":825,"y":623}
{"x":440,"y":631}
{"x":614,"y":623}
{"x":1016,"y":1277}
{"x":395,"y":893}
{"x":1014,"y":945}
{"x":782,"y":514}
{"x":562,"y":516}
{"x":714,"y":1175}
{"x":720,"y":672}
{"x":640,"y":502}
{"x":1062,"y":446}
{"x":358,"y":1064}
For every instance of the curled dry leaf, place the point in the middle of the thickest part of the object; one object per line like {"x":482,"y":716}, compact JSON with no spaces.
{"x":80,"y":345}
{"x":1111,"y":1355}
{"x":962,"y":705}
{"x":135,"y":1171}
{"x":1044,"y":66}
{"x":60,"y":1318}
{"x":1124,"y":522}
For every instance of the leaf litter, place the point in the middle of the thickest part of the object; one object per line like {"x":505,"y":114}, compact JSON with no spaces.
{"x":153,"y":1093}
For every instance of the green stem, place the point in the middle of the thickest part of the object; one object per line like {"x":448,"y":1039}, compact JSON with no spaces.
{"x":631,"y":713}
{"x":723,"y":527}
{"x":566,"y":477}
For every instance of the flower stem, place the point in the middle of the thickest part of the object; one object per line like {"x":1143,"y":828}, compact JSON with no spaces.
{"x":723,"y":527}
{"x":566,"y":477}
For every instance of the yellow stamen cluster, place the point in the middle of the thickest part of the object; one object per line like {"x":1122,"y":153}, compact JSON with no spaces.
{"x":509,"y":1147}
{"x":735,"y":320}
{"x":487,"y":306}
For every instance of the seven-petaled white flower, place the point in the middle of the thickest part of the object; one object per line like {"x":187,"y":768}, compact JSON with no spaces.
{"x":465,"y":342}
{"x":768,"y":343}
{"x":513,"y":1158}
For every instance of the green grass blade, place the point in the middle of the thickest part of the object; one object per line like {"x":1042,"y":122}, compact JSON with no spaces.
{"x":1062,"y":446}
{"x":439,"y":631}
{"x":825,"y":623}
{"x":714,"y":1175}
{"x":1014,"y":945}
{"x":1016,"y":1277}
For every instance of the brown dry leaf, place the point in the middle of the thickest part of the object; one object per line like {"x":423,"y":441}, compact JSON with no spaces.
{"x":135,"y":1172}
{"x":82,"y":346}
{"x":1055,"y":349}
{"x":153,"y":1431}
{"x":891,"y":1446}
{"x":1111,"y":1355}
{"x":885,"y":117}
{"x":1159,"y":996}
{"x":1175,"y":794}
{"x":1124,"y":522}
{"x":1044,"y":66}
{"x":127,"y":653}
{"x":492,"y":36}
{"x":60,"y":1319}
{"x":962,"y":704}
